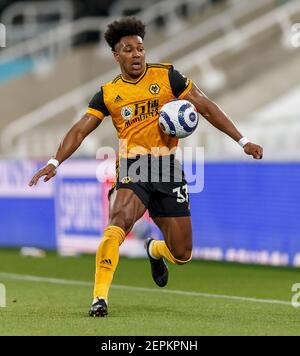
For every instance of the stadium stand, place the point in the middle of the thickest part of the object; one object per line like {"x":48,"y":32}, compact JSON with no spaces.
{"x":231,"y":49}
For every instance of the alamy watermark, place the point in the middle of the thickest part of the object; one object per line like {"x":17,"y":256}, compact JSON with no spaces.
{"x":2,"y":296}
{"x":296,"y":296}
{"x":295,"y":35}
{"x":161,"y":165}
{"x":2,"y":35}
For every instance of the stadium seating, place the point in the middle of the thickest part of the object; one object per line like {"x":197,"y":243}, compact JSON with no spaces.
{"x":232,"y":75}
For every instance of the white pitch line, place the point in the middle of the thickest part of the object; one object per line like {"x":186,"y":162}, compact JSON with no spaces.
{"x":29,"y":278}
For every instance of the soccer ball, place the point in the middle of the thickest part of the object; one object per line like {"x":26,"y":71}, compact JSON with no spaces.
{"x":178,"y":118}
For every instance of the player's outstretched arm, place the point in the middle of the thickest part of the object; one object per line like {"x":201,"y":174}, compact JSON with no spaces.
{"x":217,"y":117}
{"x":68,"y":146}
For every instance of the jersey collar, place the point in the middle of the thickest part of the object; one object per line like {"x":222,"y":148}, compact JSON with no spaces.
{"x":138,"y":80}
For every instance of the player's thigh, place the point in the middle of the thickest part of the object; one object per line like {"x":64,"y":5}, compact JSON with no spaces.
{"x":178,"y":235}
{"x":125,"y":208}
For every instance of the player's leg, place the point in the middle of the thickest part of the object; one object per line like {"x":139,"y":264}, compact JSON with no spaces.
{"x":170,"y":210}
{"x":125,"y":209}
{"x":178,"y":241}
{"x":177,"y":247}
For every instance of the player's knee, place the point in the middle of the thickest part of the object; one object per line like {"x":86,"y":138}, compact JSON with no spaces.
{"x":182,"y":256}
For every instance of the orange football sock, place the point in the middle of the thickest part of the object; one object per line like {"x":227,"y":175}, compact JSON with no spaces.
{"x":107,"y":259}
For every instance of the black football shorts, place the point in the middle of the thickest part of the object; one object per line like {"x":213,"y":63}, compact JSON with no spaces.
{"x":159,"y":182}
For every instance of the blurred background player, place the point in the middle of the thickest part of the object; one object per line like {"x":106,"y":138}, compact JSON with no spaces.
{"x":134,"y":104}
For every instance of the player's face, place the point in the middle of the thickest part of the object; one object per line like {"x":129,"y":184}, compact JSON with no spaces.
{"x":130,"y":54}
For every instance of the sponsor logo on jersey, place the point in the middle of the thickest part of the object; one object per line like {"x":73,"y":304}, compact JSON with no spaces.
{"x":143,"y":110}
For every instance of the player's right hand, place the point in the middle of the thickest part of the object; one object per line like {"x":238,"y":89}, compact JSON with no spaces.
{"x":253,"y":150}
{"x":48,"y":171}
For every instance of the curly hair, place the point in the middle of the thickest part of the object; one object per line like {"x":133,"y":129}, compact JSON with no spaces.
{"x":127,"y":26}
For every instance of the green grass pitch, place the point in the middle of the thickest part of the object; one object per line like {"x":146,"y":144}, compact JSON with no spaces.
{"x":138,"y":307}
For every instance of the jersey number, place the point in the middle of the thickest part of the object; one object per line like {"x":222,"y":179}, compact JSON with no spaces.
{"x":182,"y":196}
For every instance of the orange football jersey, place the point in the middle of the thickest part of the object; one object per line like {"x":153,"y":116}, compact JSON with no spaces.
{"x":134,"y":108}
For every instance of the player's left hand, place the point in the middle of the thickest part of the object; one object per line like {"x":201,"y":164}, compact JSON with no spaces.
{"x":253,"y":150}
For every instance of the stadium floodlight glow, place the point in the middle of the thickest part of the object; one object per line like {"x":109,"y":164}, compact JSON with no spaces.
{"x":2,"y":296}
{"x":2,"y":35}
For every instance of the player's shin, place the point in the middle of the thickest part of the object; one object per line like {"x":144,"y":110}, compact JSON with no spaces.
{"x":159,"y":249}
{"x":107,"y":259}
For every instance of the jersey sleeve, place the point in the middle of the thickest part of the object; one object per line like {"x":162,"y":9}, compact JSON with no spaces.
{"x":97,"y":106}
{"x":180,"y":84}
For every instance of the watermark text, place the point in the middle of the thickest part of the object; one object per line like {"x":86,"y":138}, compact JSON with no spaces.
{"x":295,"y":37}
{"x":161,"y":165}
{"x":2,"y":296}
{"x":296,"y":296}
{"x":2,"y":35}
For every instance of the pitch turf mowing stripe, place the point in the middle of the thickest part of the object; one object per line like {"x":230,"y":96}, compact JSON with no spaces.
{"x":29,"y":278}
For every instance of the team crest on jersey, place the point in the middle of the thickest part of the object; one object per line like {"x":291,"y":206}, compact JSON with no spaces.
{"x":126,"y":180}
{"x":126,"y":113}
{"x":154,"y":89}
